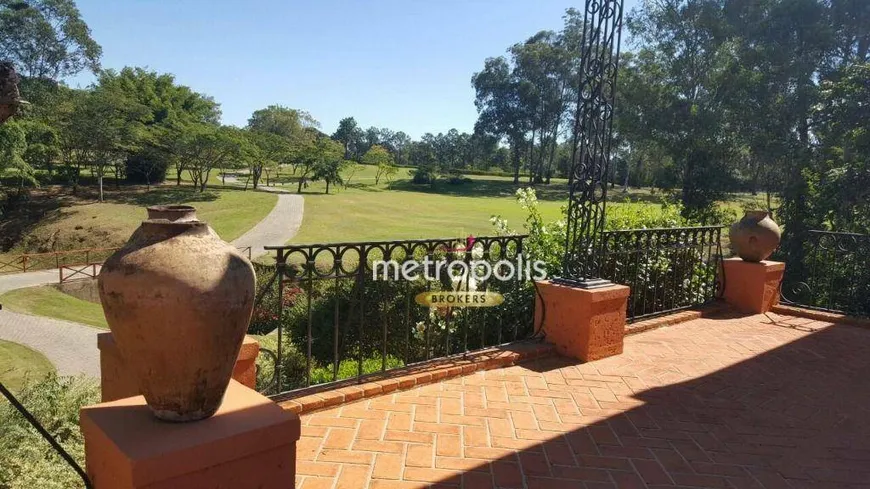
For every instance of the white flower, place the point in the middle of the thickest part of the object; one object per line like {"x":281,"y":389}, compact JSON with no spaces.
{"x":477,"y":252}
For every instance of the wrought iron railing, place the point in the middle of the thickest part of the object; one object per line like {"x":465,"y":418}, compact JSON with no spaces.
{"x":667,"y":269}
{"x":833,"y":274}
{"x":329,"y":312}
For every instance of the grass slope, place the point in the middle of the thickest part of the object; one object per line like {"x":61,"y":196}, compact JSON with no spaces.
{"x":83,"y":223}
{"x":19,"y":364}
{"x":48,"y":301}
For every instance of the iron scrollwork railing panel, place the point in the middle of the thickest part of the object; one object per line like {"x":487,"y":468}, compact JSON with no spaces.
{"x":327,"y":317}
{"x":833,"y":274}
{"x":666,"y":269}
{"x":592,"y":136}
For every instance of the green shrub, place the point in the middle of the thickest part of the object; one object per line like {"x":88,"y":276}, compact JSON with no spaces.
{"x":546,"y":241}
{"x":26,"y":460}
{"x":350,"y":368}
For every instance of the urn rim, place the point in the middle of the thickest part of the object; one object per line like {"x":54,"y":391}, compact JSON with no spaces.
{"x":172,"y":213}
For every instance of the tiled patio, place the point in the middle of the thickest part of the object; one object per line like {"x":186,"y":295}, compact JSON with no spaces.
{"x":728,"y":402}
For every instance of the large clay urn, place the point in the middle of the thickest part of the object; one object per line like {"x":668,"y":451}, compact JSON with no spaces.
{"x":178,"y":300}
{"x":755,"y":236}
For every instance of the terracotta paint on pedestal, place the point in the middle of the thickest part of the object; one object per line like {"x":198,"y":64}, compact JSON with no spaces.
{"x":752,"y":288}
{"x":250,"y":443}
{"x":586,"y":324}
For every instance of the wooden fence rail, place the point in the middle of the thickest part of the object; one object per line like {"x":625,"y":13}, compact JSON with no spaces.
{"x":64,"y":260}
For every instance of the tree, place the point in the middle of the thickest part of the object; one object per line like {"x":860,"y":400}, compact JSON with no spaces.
{"x":272,"y":151}
{"x":684,"y":58}
{"x":398,"y":145}
{"x":13,"y":146}
{"x":381,"y":158}
{"x":290,"y":123}
{"x":499,"y":106}
{"x":322,"y":160}
{"x":330,"y":163}
{"x":43,"y":145}
{"x":422,"y":155}
{"x":166,"y":108}
{"x":99,"y":131}
{"x":205,"y":147}
{"x":47,"y":38}
{"x":350,"y":170}
{"x":840,"y":194}
{"x":281,"y":134}
{"x":350,"y":136}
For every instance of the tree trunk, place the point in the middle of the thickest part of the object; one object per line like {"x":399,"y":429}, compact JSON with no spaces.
{"x":327,"y":186}
{"x":532,"y":158}
{"x":299,"y":188}
{"x":256,"y":173}
{"x":100,"y":180}
{"x":516,"y":157}
{"x":627,"y":173}
{"x":178,"y":176}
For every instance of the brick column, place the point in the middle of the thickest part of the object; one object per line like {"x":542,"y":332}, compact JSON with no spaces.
{"x":586,"y":324}
{"x":116,"y":382}
{"x":752,"y":288}
{"x":249,"y":443}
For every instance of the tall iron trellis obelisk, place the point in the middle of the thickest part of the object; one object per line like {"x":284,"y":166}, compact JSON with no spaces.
{"x":591,"y":141}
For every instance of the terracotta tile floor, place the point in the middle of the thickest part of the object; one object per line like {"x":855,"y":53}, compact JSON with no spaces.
{"x":723,"y":402}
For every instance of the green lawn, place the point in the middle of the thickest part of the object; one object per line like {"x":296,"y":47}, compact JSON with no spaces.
{"x":19,"y":364}
{"x":48,"y":301}
{"x":363,"y":211}
{"x":377,"y":214}
{"x":401,"y":210}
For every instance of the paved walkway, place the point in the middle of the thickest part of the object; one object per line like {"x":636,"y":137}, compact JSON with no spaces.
{"x":719,"y":403}
{"x":277,"y":228}
{"x":14,"y":281}
{"x":72,"y":347}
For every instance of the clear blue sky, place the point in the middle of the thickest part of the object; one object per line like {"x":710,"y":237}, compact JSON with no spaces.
{"x":401,"y":64}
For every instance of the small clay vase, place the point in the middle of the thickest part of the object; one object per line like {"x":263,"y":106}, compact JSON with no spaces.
{"x":178,"y":300}
{"x":755,"y":236}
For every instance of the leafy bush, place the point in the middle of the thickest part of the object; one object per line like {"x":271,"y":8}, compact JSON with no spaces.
{"x":689,"y":276}
{"x":458,"y":179}
{"x":350,"y":368}
{"x":546,"y":241}
{"x":147,"y":166}
{"x":26,"y":460}
{"x":422,"y":176}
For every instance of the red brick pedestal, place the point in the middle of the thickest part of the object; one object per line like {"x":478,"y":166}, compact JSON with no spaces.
{"x":752,"y":288}
{"x":250,"y":443}
{"x":117,"y":383}
{"x":586,"y":324}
